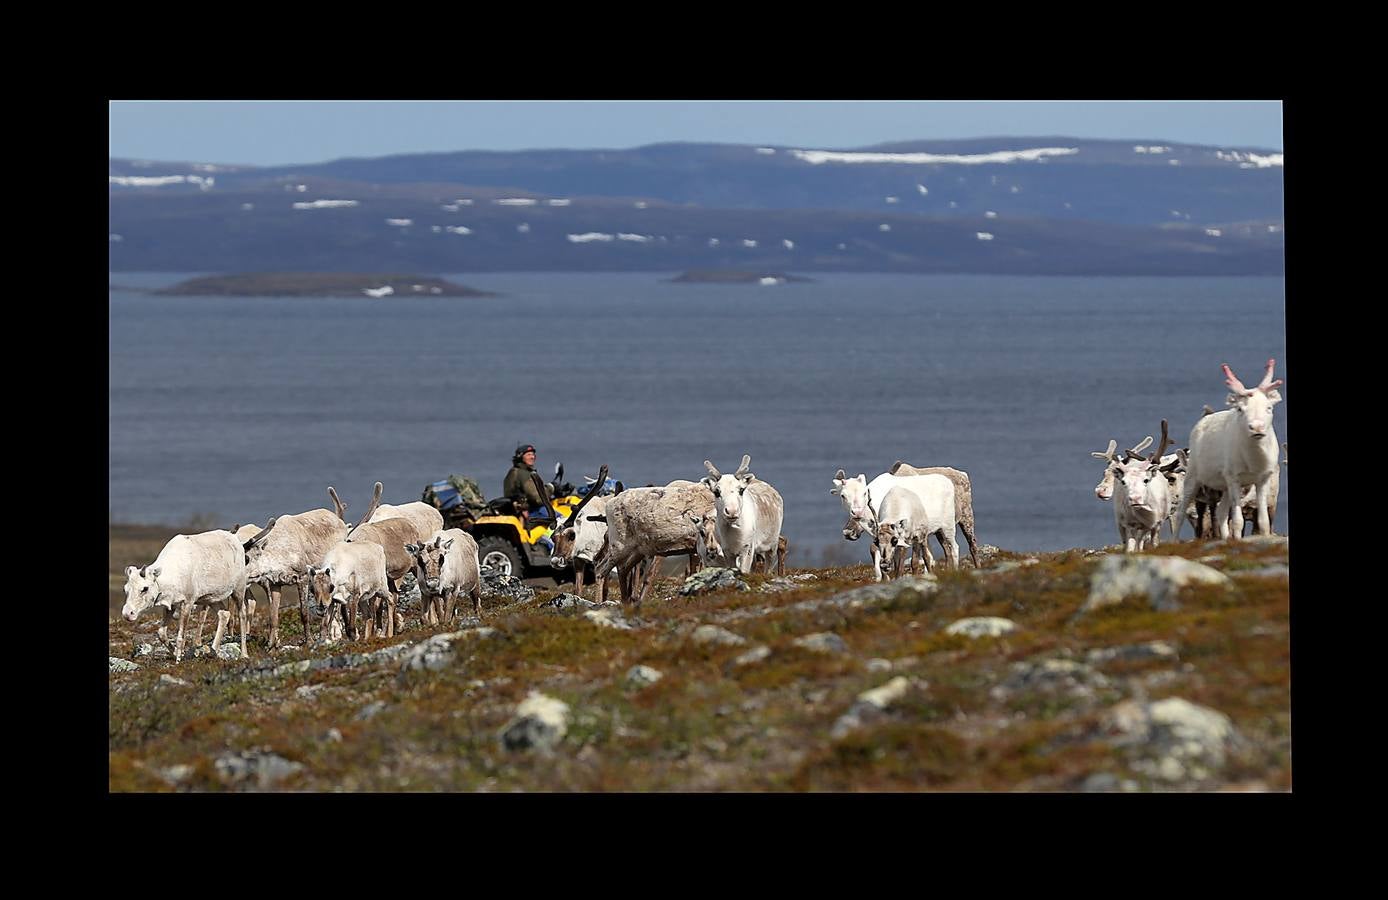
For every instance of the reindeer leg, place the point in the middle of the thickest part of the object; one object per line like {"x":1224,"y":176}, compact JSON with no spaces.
{"x":651,"y":572}
{"x":183,"y":612}
{"x":242,"y":600}
{"x":1231,"y":521}
{"x":973,"y":542}
{"x":223,"y":618}
{"x":782,"y":546}
{"x":579,"y":568}
{"x":1264,"y":520}
{"x":197,"y":638}
{"x":274,"y":593}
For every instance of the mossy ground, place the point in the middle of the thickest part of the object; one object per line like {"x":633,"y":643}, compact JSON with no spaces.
{"x":711,"y":724}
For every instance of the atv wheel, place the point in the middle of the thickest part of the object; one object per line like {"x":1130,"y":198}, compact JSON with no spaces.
{"x":499,"y":555}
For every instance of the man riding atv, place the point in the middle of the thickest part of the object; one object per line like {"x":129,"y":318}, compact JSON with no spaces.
{"x":523,"y":487}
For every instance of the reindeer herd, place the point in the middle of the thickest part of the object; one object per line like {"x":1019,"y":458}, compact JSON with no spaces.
{"x":352,"y":574}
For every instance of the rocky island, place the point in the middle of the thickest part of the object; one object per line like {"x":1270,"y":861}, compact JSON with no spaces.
{"x":319,"y":284}
{"x":732,"y":276}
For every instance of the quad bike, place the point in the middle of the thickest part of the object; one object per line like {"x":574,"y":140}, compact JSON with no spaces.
{"x":507,"y":542}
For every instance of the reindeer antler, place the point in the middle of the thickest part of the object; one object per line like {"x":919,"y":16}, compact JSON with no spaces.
{"x":592,"y":492}
{"x":1136,"y":452}
{"x":259,"y":536}
{"x":1267,"y":383}
{"x":1108,"y":454}
{"x":370,"y":510}
{"x":341,"y":508}
{"x":1232,"y":380}
{"x":708,"y":464}
{"x":742,"y":469}
{"x":1165,"y":442}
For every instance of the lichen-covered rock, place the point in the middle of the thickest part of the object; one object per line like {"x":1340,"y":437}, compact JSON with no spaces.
{"x":1276,"y":570}
{"x":982,"y":626}
{"x":822,"y":642}
{"x":877,"y":664}
{"x":1133,"y":652}
{"x":571,"y":601}
{"x":122,"y":665}
{"x":1158,"y":578}
{"x":369,"y":711}
{"x":255,"y":769}
{"x":151,"y":650}
{"x":755,"y":655}
{"x":540,"y":723}
{"x":167,"y":680}
{"x":712,"y":634}
{"x":907,"y":589}
{"x":871,"y":705}
{"x":438,"y":651}
{"x":229,"y":650}
{"x":712,"y":579}
{"x":607,"y":617}
{"x":641,"y":676}
{"x":507,"y":586}
{"x":1173,"y":740}
{"x":1051,"y":676}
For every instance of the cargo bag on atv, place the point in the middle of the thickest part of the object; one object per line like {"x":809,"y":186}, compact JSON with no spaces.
{"x":456,"y":491}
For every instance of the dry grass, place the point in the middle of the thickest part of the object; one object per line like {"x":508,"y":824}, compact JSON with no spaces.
{"x":711,"y":724}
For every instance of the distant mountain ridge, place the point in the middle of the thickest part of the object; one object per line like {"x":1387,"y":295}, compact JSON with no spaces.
{"x":1021,"y":205}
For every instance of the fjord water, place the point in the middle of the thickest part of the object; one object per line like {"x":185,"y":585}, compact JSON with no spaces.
{"x":237,"y":409}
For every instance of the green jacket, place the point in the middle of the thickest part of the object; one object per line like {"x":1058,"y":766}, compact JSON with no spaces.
{"x":519,"y":483}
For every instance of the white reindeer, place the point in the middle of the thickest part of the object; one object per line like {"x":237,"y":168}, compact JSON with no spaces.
{"x":1142,"y":496}
{"x":749,"y":514}
{"x":192,"y":570}
{"x":861,"y":498}
{"x":903,"y":521}
{"x":1237,"y":447}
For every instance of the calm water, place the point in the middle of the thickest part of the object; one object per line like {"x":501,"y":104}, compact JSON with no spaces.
{"x":244,"y":408}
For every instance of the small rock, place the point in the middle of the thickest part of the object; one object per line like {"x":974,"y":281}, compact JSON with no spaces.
{"x":641,"y":676}
{"x":713,"y":579}
{"x":712,"y":634}
{"x":437,"y":652}
{"x":755,"y":655}
{"x":877,"y":664}
{"x":571,"y":601}
{"x":229,"y":651}
{"x":265,"y":770}
{"x":540,"y":723}
{"x":1172,"y":740}
{"x":822,"y":642}
{"x":1051,"y":676}
{"x":177,"y":774}
{"x":369,"y":710}
{"x":607,"y":617}
{"x":150,"y":650}
{"x":308,"y":691}
{"x":1158,"y":578}
{"x":508,"y":587}
{"x":122,"y":665}
{"x":1133,"y":652}
{"x":1103,"y":782}
{"x":170,"y":681}
{"x":982,"y":626}
{"x":907,"y":589}
{"x":333,"y":736}
{"x":871,"y":705}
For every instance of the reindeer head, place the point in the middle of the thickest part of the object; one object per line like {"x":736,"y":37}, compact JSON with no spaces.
{"x":428,"y":561}
{"x":856,"y":499}
{"x":141,"y":590}
{"x":1254,"y":407}
{"x":1141,"y":484}
{"x":728,"y":489}
{"x":319,"y":586}
{"x":706,"y":530}
{"x":255,"y":547}
{"x":1104,"y":489}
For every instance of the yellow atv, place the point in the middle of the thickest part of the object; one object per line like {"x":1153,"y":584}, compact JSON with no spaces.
{"x":506,"y":543}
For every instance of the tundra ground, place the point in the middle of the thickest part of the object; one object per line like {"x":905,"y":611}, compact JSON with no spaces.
{"x":1031,"y":710}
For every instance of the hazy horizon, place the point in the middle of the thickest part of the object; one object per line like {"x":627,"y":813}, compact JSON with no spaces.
{"x":303,"y":132}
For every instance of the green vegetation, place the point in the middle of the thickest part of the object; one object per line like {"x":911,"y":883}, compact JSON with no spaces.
{"x":972,"y":719}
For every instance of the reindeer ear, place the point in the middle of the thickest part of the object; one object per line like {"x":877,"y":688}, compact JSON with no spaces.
{"x":154,"y":572}
{"x":839,"y":476}
{"x":1273,"y":396}
{"x":412,"y":549}
{"x":1233,"y":400}
{"x":447,"y":545}
{"x":862,"y":477}
{"x":130,"y":570}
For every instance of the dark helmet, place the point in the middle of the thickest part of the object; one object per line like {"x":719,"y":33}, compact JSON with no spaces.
{"x":521,"y":451}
